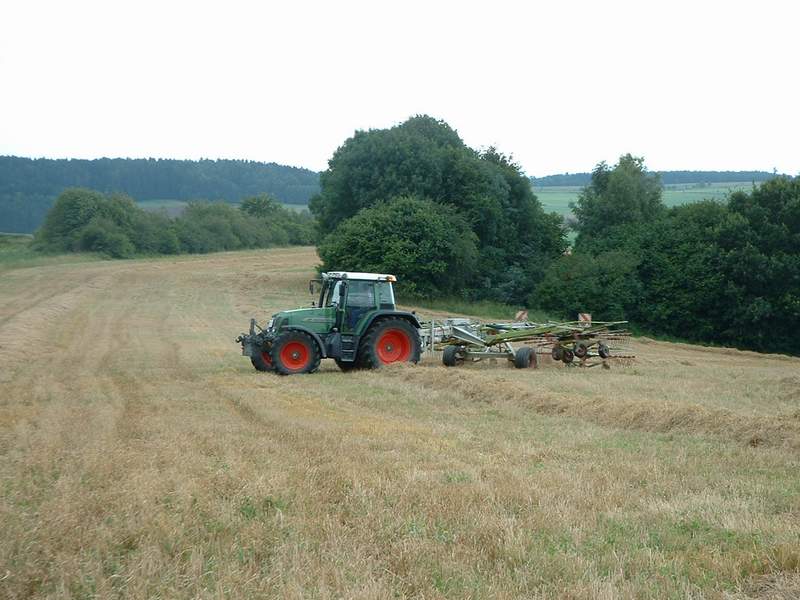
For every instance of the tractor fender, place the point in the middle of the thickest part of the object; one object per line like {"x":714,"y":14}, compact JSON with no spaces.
{"x":400,"y":314}
{"x":313,"y":334}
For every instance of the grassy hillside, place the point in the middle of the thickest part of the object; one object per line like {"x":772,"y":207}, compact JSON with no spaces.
{"x":142,"y":456}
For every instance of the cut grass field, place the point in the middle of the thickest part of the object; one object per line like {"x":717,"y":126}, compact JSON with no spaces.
{"x":142,"y":457}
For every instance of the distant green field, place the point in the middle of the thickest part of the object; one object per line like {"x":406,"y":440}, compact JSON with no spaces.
{"x":554,"y":199}
{"x":175,"y":207}
{"x":557,"y":199}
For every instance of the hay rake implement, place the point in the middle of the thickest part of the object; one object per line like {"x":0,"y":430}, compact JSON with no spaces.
{"x":574,"y":343}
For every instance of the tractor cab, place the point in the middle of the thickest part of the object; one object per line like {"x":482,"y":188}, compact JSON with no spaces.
{"x":353,"y":296}
{"x":354,"y":320}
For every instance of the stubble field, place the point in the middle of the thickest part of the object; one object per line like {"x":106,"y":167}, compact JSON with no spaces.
{"x":142,"y":457}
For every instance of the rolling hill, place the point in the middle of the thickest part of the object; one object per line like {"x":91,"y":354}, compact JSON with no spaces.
{"x":28,"y":187}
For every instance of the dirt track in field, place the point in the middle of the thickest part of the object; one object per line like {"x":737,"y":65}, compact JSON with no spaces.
{"x":141,"y":456}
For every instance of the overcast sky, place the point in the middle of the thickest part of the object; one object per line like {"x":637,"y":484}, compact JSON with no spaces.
{"x":688,"y":85}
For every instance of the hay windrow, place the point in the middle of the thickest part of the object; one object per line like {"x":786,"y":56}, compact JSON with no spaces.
{"x":481,"y":385}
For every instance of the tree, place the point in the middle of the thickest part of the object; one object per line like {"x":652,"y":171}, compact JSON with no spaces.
{"x":428,"y":246}
{"x":425,"y":158}
{"x":261,"y":206}
{"x":760,"y":245}
{"x":615,"y":199}
{"x":605,"y":285}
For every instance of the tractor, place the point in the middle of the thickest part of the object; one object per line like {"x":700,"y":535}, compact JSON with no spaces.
{"x":354,"y":321}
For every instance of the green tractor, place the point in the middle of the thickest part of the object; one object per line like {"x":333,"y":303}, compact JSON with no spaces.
{"x":355,"y":322}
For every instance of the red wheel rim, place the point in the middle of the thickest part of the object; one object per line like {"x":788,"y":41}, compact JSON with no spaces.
{"x":265,"y":356}
{"x":394,"y":345}
{"x":295,"y":355}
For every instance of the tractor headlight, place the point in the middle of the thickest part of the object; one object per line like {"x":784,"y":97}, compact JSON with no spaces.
{"x":270,"y":324}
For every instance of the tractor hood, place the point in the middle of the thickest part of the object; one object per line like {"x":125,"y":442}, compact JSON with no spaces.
{"x":312,"y":318}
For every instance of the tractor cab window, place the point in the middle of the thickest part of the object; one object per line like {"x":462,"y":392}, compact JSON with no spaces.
{"x":385,"y":295}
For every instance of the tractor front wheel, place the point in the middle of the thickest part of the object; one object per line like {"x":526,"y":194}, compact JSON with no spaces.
{"x":262,"y":361}
{"x":388,"y":341}
{"x":295,"y":352}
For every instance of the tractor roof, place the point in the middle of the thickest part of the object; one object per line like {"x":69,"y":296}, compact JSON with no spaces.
{"x":361,"y":276}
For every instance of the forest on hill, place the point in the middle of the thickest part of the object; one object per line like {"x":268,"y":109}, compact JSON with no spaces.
{"x":29,"y":187}
{"x":667,"y":178}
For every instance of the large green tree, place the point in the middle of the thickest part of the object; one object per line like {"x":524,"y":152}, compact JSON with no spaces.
{"x":617,"y":198}
{"x":425,"y":158}
{"x":760,"y":242}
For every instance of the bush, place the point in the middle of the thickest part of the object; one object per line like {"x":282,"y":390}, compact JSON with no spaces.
{"x":102,"y":235}
{"x":428,"y":246}
{"x":605,"y":286}
{"x":86,"y":220}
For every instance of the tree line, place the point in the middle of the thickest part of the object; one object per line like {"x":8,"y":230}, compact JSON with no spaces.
{"x":28,"y":187}
{"x":724,"y":272}
{"x":415,"y":201}
{"x":84,"y":220}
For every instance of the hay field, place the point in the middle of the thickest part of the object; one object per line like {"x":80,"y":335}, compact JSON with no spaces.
{"x":142,"y":457}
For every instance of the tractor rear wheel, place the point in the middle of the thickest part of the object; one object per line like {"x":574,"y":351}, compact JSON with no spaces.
{"x":262,"y":361}
{"x":388,"y":341}
{"x":295,"y":352}
{"x":525,"y":358}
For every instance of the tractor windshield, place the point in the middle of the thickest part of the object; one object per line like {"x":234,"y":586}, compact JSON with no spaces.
{"x":361,"y":294}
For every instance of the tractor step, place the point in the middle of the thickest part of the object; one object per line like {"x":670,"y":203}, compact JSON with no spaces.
{"x":348,"y":347}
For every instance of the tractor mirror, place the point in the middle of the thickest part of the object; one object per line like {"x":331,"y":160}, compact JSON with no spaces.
{"x":314,"y":287}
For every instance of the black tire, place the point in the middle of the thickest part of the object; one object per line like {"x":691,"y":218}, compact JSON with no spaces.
{"x":557,"y":353}
{"x":567,"y":356}
{"x":603,"y":351}
{"x":451,"y":356}
{"x":262,"y":361}
{"x":374,"y":351}
{"x":581,"y":350}
{"x":346,"y":366}
{"x":295,"y":352}
{"x":525,"y":358}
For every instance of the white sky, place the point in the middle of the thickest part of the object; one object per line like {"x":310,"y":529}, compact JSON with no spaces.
{"x":560,"y":85}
